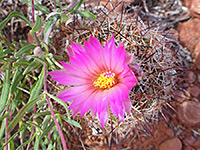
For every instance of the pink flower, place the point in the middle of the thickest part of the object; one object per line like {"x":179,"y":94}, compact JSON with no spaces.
{"x":99,"y":78}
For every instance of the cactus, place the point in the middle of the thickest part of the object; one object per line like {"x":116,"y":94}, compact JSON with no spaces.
{"x":155,"y":62}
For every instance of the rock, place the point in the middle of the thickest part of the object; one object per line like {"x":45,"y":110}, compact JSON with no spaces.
{"x":188,"y":148}
{"x":196,"y":55}
{"x":179,"y":96}
{"x":191,"y":77}
{"x":189,"y":33}
{"x":198,"y":76}
{"x":197,"y":143}
{"x":189,"y":140}
{"x":189,"y":112}
{"x":197,"y":62}
{"x":187,"y":3}
{"x":171,"y":144}
{"x":196,"y":50}
{"x":170,"y":132}
{"x":194,"y":90}
{"x":195,"y":8}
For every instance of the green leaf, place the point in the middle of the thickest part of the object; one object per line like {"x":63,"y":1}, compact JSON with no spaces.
{"x":24,"y":132}
{"x":10,"y":59}
{"x":57,"y":3}
{"x":45,"y":113}
{"x":41,"y":61}
{"x":4,"y":40}
{"x":7,"y":51}
{"x":24,"y":50}
{"x":2,"y":129}
{"x":72,"y":122}
{"x":33,"y":65}
{"x":47,"y":25}
{"x":14,"y":135}
{"x":46,"y":120}
{"x":51,"y":65}
{"x":28,"y":141}
{"x":64,"y":17}
{"x":56,"y":63}
{"x":14,"y":14}
{"x":61,"y":102}
{"x":37,"y":143}
{"x":12,"y":145}
{"x":17,"y":97}
{"x":16,"y":79}
{"x":47,"y":129}
{"x":22,"y":43}
{"x":1,"y":50}
{"x":4,"y":116}
{"x":76,"y":6}
{"x":43,"y":144}
{"x":36,"y":125}
{"x":86,"y":14}
{"x":5,"y":90}
{"x":21,"y":112}
{"x":21,"y":62}
{"x":38,"y":24}
{"x":37,"y":6}
{"x":36,"y":90}
{"x":5,"y":66}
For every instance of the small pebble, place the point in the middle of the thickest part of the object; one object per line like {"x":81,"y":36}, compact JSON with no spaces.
{"x":171,"y":144}
{"x":189,"y":112}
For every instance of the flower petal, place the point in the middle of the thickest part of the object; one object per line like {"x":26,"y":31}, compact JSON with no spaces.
{"x":94,"y":54}
{"x":116,"y":103}
{"x":118,"y":60}
{"x":127,"y":105}
{"x":103,"y":117}
{"x":129,"y":80}
{"x":85,"y":63}
{"x":77,"y":49}
{"x":65,"y":78}
{"x":70,"y":52}
{"x":71,"y":69}
{"x":95,"y":43}
{"x":72,"y":92}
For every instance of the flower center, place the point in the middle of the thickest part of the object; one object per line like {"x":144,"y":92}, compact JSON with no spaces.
{"x":106,"y":80}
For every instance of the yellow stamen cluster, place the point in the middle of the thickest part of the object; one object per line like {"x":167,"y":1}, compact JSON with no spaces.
{"x":106,"y":80}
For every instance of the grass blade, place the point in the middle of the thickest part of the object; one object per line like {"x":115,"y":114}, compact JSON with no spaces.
{"x":36,"y":90}
{"x":16,"y":79}
{"x":19,"y":115}
{"x":86,"y":14}
{"x":14,"y":14}
{"x":14,"y":135}
{"x":5,"y":90}
{"x":2,"y":129}
{"x":24,"y":50}
{"x":37,"y":6}
{"x":38,"y":24}
{"x":33,"y":65}
{"x":31,"y":139}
